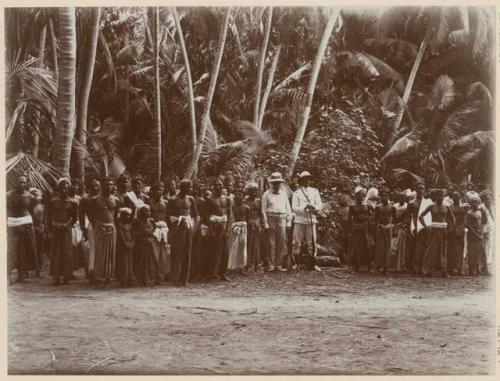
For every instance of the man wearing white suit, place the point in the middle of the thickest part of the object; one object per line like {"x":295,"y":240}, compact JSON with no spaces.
{"x":306,"y":205}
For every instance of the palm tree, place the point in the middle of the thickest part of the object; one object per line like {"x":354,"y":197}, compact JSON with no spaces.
{"x":41,"y":49}
{"x":192,"y":110}
{"x":84,"y":92}
{"x":157,"y":110}
{"x":65,"y":125}
{"x":260,"y":68}
{"x":299,"y":137}
{"x":208,"y":101}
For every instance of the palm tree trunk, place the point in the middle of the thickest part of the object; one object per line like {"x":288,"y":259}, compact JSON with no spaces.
{"x":192,"y":110}
{"x":260,"y":69}
{"x":413,"y":73}
{"x":41,"y":49}
{"x":65,"y":112}
{"x":193,"y":167}
{"x":268,"y":87}
{"x":157,"y":110}
{"x":83,"y":102}
{"x":299,"y":137}
{"x":53,"y":47}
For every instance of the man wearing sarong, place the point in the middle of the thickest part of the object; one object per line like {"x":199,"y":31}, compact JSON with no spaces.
{"x":456,"y":236}
{"x":400,"y":233}
{"x":489,"y":228}
{"x":86,"y":222}
{"x":125,"y":247}
{"x":159,"y":214}
{"x":21,"y":246}
{"x":217,"y":216}
{"x":104,"y":209}
{"x":183,"y":218}
{"x":418,"y":235}
{"x":40,"y":229}
{"x":307,"y":205}
{"x":372,"y":199}
{"x":238,"y":234}
{"x":277,"y":218}
{"x":254,"y":225}
{"x":145,"y":252}
{"x":475,"y":222}
{"x":436,"y":253}
{"x":199,"y":254}
{"x":76,"y":193}
{"x":385,"y":214}
{"x":359,"y":215}
{"x":62,"y":215}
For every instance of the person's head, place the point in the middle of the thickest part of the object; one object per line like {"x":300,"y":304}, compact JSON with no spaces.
{"x":305,"y":179}
{"x":21,"y":183}
{"x":77,"y":187}
{"x":207,"y":193}
{"x":137,"y":184}
{"x":359,"y":194}
{"x":218,"y":186}
{"x":229,"y":185}
{"x":95,"y":187}
{"x":456,"y":197}
{"x":275,"y":180}
{"x":144,"y":212}
{"x":437,"y":195}
{"x":125,"y":215}
{"x":63,"y":186}
{"x":385,"y":195}
{"x":420,"y":190}
{"x":37,"y":195}
{"x":252,"y":189}
{"x":172,"y":186}
{"x":402,"y":198}
{"x":157,"y":189}
{"x":123,"y":183}
{"x":185,"y":187}
{"x":108,"y":186}
{"x":488,"y":200}
{"x":474,"y":199}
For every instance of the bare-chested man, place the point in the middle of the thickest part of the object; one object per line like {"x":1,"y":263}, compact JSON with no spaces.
{"x":21,"y":245}
{"x":104,"y":209}
{"x":62,"y":215}
{"x":456,"y":235}
{"x":183,"y":218}
{"x":359,"y":216}
{"x":218,"y":215}
{"x":254,"y":225}
{"x":385,"y":214}
{"x":419,"y":236}
{"x":86,"y":224}
{"x":436,"y":250}
{"x":158,"y":207}
{"x":39,"y":228}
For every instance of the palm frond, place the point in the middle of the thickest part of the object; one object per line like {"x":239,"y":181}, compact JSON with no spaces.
{"x":292,"y":77}
{"x":401,"y":175}
{"x":402,"y":146}
{"x":443,"y":93}
{"x":38,"y":173}
{"x":21,"y":106}
{"x":400,"y":50}
{"x":478,"y":91}
{"x":386,"y":71}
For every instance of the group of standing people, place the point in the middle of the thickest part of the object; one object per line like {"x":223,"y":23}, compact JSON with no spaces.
{"x":120,"y":231}
{"x":421,"y":232}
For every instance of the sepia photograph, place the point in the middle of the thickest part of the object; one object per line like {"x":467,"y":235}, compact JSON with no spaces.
{"x":236,"y":190}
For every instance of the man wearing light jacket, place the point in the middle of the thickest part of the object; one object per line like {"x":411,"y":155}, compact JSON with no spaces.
{"x":276,"y":218}
{"x":306,"y":205}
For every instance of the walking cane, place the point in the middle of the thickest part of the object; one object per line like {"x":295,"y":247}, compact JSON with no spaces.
{"x":313,"y":241}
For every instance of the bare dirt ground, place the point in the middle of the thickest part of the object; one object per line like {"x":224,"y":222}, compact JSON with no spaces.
{"x":333,"y":322}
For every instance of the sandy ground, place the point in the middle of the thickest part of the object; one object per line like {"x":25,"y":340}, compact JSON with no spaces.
{"x":333,"y":322}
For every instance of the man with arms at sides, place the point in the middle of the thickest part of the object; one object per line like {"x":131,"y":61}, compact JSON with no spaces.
{"x":359,"y":216}
{"x":307,"y":205}
{"x":39,"y":228}
{"x":436,"y":251}
{"x":456,"y":236}
{"x":218,"y":218}
{"x":86,"y":221}
{"x":277,"y":217}
{"x":254,"y":225}
{"x":385,"y":214}
{"x":183,"y":217}
{"x":104,"y":209}
{"x":21,"y":246}
{"x":418,"y":235}
{"x":238,"y":233}
{"x":158,"y":207}
{"x":475,"y":222}
{"x":62,"y":215}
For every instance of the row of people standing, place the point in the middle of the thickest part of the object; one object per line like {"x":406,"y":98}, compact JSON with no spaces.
{"x":421,"y":234}
{"x":129,"y":235}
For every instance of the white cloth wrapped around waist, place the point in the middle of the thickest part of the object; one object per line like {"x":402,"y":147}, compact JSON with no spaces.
{"x":238,"y":227}
{"x":188,"y":220}
{"x":438,"y":225}
{"x":161,"y":231}
{"x":19,"y":221}
{"x":214,"y":218}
